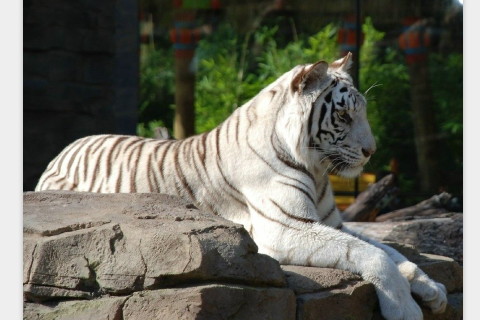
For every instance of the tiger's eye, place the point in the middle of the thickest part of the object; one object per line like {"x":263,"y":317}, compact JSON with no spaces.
{"x":341,"y":113}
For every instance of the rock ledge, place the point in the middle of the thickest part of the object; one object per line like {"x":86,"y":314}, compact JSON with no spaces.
{"x":154,"y":256}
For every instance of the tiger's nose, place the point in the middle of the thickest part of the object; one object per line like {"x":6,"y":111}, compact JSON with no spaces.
{"x":368,"y":152}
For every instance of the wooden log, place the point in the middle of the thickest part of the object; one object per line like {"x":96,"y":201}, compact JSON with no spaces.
{"x":367,"y":205}
{"x":432,"y":206}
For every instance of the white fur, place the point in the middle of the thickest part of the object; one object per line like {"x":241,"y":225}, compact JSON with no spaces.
{"x":245,"y":180}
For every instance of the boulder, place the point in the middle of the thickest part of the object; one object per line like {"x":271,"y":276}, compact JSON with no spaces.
{"x":81,"y":245}
{"x":212,"y":302}
{"x":107,"y":308}
{"x":323,"y":293}
{"x":154,"y":256}
{"x":440,"y":235}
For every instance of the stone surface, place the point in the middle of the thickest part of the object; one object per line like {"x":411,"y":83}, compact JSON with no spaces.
{"x":109,"y":308}
{"x":441,"y":269}
{"x":212,"y":302}
{"x":332,"y":304}
{"x":323,"y":293}
{"x":153,"y":256}
{"x":89,"y":244}
{"x":441,"y":235}
{"x":309,"y":279}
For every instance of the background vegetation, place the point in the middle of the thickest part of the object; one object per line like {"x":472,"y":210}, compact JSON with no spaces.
{"x":232,"y":68}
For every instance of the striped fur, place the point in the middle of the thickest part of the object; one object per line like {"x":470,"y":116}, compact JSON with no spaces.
{"x":266,"y":167}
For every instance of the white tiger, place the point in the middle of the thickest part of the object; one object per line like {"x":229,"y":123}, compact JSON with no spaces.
{"x":266,"y":167}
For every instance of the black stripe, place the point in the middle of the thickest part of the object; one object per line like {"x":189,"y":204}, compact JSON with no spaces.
{"x":330,"y":212}
{"x":328,"y":97}
{"x":291,"y":216}
{"x":133,"y":177}
{"x":149,"y":172}
{"x":94,"y":175}
{"x":181,"y":176}
{"x":282,"y":155}
{"x":260,"y":157}
{"x":272,"y":168}
{"x":242,"y":203}
{"x":323,"y":111}
{"x":332,"y":117}
{"x":100,"y":185}
{"x":228,"y":123}
{"x":100,"y":142}
{"x":310,"y":120}
{"x":86,"y":162}
{"x":325,"y":132}
{"x":322,"y":193}
{"x":154,"y":168}
{"x":217,"y":141}
{"x":69,"y":167}
{"x":210,"y":207}
{"x":203,"y":154}
{"x":271,"y":219}
{"x":127,"y":150}
{"x":309,"y":196}
{"x":162,"y":158}
{"x":340,"y":138}
{"x":109,"y":155}
{"x":119,"y":179}
{"x":295,"y":166}
{"x":237,"y":125}
{"x":65,"y":153}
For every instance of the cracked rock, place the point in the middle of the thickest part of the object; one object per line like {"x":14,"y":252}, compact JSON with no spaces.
{"x":153,"y":256}
{"x":84,"y":245}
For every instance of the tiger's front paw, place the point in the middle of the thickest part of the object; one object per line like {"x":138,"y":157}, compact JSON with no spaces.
{"x":432,"y":294}
{"x":394,"y":295}
{"x":399,"y":305}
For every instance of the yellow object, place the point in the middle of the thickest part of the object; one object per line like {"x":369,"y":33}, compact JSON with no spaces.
{"x":344,"y":188}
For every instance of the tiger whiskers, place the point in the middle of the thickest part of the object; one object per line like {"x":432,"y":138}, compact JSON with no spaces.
{"x":376,"y":84}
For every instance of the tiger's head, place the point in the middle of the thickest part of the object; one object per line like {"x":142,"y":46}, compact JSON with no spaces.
{"x":335,"y":135}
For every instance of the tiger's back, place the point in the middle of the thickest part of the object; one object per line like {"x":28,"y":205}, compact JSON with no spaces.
{"x":131,"y":164}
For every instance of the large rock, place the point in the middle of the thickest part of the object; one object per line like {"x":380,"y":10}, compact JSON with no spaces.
{"x":212,"y":302}
{"x":441,"y":235}
{"x":108,"y":308}
{"x":323,"y":293}
{"x":81,"y":245}
{"x":153,"y":256}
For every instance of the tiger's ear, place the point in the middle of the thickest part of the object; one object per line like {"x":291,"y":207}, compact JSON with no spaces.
{"x":342,"y":64}
{"x":309,"y":76}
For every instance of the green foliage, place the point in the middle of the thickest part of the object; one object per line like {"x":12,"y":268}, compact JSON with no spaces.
{"x":233,"y":70}
{"x":219,"y":84}
{"x":156,"y":90}
{"x":384,"y":76}
{"x":446,"y":74}
{"x":147,"y":129}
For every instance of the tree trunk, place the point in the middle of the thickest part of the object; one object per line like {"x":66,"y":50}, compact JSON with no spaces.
{"x":425,"y":128}
{"x":183,"y":125}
